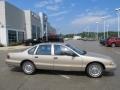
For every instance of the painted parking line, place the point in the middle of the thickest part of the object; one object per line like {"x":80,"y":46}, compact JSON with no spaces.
{"x":117,"y":52}
{"x":65,"y":76}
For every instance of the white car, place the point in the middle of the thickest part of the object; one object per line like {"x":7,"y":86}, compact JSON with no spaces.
{"x":60,"y":56}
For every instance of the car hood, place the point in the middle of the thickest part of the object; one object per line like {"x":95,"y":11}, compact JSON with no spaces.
{"x":92,"y":54}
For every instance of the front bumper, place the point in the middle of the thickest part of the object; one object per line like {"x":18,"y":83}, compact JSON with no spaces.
{"x":111,"y":67}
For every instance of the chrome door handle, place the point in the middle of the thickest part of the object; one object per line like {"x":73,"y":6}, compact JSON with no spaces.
{"x":55,"y":57}
{"x":36,"y":56}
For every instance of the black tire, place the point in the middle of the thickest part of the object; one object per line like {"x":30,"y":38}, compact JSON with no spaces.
{"x":28,"y":68}
{"x":90,"y":70}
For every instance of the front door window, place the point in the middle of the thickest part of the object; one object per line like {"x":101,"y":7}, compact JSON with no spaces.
{"x":62,"y":50}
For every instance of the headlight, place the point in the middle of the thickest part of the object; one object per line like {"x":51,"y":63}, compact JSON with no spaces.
{"x":112,"y":63}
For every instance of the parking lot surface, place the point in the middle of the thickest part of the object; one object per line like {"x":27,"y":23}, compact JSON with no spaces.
{"x":15,"y":79}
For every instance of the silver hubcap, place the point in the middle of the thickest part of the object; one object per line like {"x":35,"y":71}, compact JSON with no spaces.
{"x":113,"y":45}
{"x":28,"y":68}
{"x":95,"y":70}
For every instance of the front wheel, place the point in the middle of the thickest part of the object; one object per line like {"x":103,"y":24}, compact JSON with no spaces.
{"x":28,"y":67}
{"x":94,"y":70}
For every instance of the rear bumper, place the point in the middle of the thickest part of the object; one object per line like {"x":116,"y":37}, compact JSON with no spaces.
{"x":12,"y":63}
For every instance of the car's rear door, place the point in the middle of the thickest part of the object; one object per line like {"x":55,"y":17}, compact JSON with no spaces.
{"x":43,"y":58}
{"x":66,"y":59}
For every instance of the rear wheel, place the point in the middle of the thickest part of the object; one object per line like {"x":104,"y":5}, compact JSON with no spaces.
{"x":113,"y":45}
{"x":94,"y":70}
{"x":28,"y":67}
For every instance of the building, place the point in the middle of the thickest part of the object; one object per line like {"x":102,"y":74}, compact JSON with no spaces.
{"x":50,"y":30}
{"x":46,"y":28}
{"x":12,"y":24}
{"x":17,"y":25}
{"x":33,"y":25}
{"x":44,"y":21}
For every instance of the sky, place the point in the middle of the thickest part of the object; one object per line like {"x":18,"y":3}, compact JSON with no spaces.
{"x":75,"y":16}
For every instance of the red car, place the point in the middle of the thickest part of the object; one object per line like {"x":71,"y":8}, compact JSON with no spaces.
{"x":113,"y":42}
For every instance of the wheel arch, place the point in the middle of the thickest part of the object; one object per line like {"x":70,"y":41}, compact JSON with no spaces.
{"x":95,"y":62}
{"x":26,"y":61}
{"x":113,"y":43}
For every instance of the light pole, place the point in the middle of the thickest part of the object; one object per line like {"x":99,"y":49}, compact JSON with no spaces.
{"x":46,"y":28}
{"x":0,"y":32}
{"x":46,"y":32}
{"x":107,"y":30}
{"x":97,"y":30}
{"x":118,"y":12}
{"x":104,"y":25}
{"x":88,"y":31}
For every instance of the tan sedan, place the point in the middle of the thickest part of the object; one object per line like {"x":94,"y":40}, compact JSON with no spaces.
{"x":60,"y":56}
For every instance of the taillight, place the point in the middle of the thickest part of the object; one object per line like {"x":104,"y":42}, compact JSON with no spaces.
{"x":8,"y":57}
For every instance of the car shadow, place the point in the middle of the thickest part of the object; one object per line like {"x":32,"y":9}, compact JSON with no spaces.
{"x":109,"y":74}
{"x":16,"y":69}
{"x":56,"y":72}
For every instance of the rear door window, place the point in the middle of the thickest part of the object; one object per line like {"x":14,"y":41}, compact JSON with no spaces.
{"x":32,"y":50}
{"x":44,"y":50}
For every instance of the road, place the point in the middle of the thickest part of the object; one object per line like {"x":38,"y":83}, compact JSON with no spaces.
{"x":14,"y":79}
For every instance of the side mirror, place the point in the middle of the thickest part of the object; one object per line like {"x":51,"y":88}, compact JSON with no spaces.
{"x":85,"y":52}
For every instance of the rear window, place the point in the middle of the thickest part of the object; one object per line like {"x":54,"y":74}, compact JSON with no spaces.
{"x":32,"y":50}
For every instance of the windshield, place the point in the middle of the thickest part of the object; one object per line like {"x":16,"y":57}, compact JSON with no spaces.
{"x":81,"y":52}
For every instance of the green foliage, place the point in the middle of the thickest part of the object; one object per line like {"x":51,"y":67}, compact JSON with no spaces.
{"x":92,"y":34}
{"x":68,"y":36}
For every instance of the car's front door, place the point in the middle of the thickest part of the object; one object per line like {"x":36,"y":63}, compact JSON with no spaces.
{"x":118,"y":41}
{"x":43,"y":58}
{"x":66,"y":59}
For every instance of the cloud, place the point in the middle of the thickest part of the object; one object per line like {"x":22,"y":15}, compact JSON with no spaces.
{"x":52,"y":5}
{"x":90,"y":17}
{"x":113,"y":23}
{"x":86,"y":20}
{"x":58,"y":1}
{"x":59,"y":13}
{"x":41,"y":4}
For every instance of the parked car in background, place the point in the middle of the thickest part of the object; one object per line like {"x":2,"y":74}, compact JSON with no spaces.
{"x":51,"y":38}
{"x":102,"y":41}
{"x":112,"y":41}
{"x":76,"y":37}
{"x":30,"y":42}
{"x":60,"y":56}
{"x":54,"y":38}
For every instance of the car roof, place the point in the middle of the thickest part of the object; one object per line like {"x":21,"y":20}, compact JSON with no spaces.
{"x":52,"y":43}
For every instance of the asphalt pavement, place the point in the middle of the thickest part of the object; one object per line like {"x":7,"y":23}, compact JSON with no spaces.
{"x":15,"y":79}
